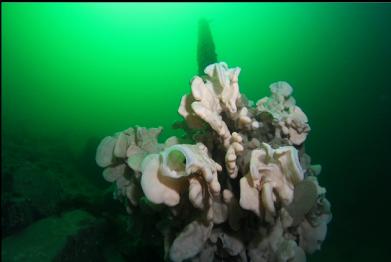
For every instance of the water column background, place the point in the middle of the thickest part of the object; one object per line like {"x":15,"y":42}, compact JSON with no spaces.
{"x":78,"y":71}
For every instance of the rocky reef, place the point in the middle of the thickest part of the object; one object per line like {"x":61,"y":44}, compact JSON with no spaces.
{"x":238,"y":186}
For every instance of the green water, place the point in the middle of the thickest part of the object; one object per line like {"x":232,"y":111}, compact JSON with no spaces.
{"x":78,"y":71}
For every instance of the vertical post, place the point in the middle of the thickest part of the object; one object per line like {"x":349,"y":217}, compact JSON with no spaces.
{"x":206,"y":53}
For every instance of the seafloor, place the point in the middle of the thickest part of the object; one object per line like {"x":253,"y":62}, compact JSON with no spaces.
{"x":56,"y":208}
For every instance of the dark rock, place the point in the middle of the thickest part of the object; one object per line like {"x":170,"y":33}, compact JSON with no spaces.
{"x":40,"y":187}
{"x":40,"y":180}
{"x":17,"y":214}
{"x":74,"y":236}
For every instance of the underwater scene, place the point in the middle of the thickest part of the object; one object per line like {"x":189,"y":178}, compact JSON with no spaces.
{"x":195,"y":131}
